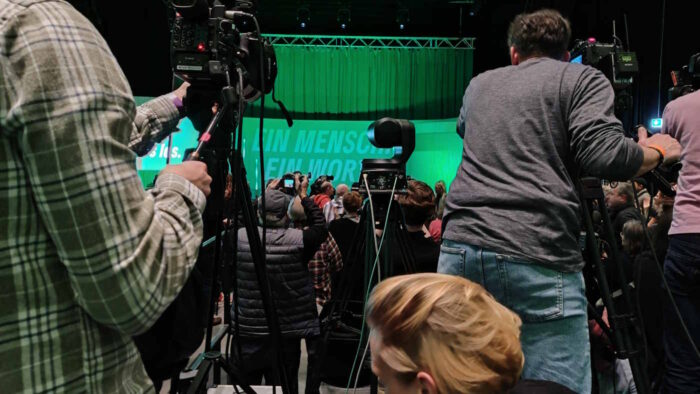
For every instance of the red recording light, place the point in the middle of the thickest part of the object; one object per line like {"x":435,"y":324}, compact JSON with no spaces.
{"x":201,"y":47}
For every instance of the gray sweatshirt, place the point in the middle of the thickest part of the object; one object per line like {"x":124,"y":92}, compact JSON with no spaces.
{"x":529,"y":132}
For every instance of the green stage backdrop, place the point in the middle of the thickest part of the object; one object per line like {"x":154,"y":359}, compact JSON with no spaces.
{"x":370,"y":83}
{"x":321,"y":147}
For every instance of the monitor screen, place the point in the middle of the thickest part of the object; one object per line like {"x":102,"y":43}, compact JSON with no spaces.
{"x":578,"y":59}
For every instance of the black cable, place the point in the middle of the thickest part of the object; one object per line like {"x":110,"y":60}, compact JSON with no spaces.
{"x":239,"y":156}
{"x":637,"y":279}
{"x":661,"y":57}
{"x":627,"y":32}
{"x":262,"y":171}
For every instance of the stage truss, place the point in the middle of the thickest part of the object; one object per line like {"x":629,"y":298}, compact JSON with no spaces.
{"x":371,"y":42}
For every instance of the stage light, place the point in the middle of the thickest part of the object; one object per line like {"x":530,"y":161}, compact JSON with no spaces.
{"x":657,"y":123}
{"x":303,"y":16}
{"x":402,"y":18}
{"x":344,"y":18}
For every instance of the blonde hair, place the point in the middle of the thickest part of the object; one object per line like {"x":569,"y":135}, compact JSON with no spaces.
{"x":449,"y":327}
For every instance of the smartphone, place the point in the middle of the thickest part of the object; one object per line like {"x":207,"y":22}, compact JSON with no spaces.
{"x":289,"y":183}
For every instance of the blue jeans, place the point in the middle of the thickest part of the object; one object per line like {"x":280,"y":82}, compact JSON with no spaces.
{"x":682,"y":272}
{"x":551,"y":304}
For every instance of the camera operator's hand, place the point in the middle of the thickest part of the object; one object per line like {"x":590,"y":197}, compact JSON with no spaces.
{"x":666,"y":143}
{"x":302,"y":185}
{"x":193,"y":171}
{"x":181,"y":92}
{"x":642,"y":135}
{"x":274,"y":184}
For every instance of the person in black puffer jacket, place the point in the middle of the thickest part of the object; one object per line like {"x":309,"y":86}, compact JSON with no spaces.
{"x":288,"y":251}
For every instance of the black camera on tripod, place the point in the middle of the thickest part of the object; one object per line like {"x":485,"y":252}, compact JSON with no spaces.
{"x":686,"y":80}
{"x":618,"y":65}
{"x":382,"y":176}
{"x":211,"y":41}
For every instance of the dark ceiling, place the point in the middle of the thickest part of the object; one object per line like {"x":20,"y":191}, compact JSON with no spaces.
{"x":137,"y":30}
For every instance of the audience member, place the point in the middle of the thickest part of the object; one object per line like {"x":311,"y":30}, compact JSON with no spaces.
{"x":647,"y":288}
{"x":345,"y":228}
{"x":433,"y":333}
{"x":643,"y":197}
{"x":288,"y":252}
{"x":335,"y":210}
{"x":620,"y":203}
{"x":660,"y":224}
{"x":326,"y":261}
{"x":418,"y":208}
{"x":440,"y":194}
{"x":435,"y":226}
{"x":324,"y":197}
{"x":436,"y":333}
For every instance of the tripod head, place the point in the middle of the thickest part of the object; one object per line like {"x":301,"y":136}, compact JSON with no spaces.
{"x":378,"y":175}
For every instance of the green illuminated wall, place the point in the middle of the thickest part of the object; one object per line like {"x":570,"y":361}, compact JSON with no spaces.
{"x":322,"y":147}
{"x":371,"y":83}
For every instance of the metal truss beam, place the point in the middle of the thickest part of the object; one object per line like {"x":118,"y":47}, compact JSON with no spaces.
{"x":371,"y":42}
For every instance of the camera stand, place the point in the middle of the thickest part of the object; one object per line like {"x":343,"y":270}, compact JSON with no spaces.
{"x":220,"y":140}
{"x":342,"y":317}
{"x":624,"y":331}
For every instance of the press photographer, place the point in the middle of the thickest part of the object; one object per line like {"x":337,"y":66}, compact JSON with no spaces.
{"x":94,"y":258}
{"x":512,"y":214}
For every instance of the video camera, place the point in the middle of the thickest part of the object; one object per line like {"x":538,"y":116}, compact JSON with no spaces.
{"x":686,"y":80}
{"x":381,"y":173}
{"x":287,"y":185}
{"x":211,"y":41}
{"x":618,"y":65}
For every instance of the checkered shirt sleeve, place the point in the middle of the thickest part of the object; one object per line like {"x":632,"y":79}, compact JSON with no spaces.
{"x":87,"y":257}
{"x":326,"y":261}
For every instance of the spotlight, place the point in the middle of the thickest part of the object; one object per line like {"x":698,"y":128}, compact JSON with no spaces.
{"x":344,"y":18}
{"x":303,"y":16}
{"x":402,"y":18}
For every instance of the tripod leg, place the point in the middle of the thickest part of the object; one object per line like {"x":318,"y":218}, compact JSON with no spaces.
{"x":200,"y":381}
{"x":620,"y":326}
{"x":236,"y":376}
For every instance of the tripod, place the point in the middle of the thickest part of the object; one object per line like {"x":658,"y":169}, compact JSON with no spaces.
{"x":343,"y":317}
{"x":624,"y":331}
{"x":221,"y":140}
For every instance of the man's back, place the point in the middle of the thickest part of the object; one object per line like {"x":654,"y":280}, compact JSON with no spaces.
{"x":527,"y":130}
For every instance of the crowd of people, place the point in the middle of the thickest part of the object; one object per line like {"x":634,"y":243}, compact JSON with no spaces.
{"x":97,"y":272}
{"x":308,"y":242}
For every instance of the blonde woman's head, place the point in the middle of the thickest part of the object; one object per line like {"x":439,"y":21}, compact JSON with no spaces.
{"x":442,"y":334}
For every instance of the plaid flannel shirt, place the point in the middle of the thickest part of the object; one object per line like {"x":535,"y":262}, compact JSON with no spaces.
{"x":324,"y":262}
{"x":87,"y":257}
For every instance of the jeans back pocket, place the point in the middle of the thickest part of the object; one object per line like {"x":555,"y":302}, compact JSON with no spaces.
{"x":535,"y":293}
{"x":451,"y":260}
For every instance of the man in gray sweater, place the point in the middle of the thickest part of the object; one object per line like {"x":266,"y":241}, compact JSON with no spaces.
{"x":512,"y":221}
